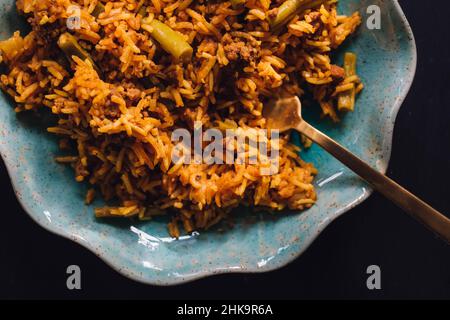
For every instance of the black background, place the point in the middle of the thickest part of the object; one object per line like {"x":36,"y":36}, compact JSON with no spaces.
{"x":414,"y":263}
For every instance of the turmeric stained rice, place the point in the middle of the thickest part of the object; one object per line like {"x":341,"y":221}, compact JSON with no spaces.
{"x":122,"y":75}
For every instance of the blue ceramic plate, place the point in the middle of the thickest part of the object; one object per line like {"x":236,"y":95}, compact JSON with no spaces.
{"x":258,"y":242}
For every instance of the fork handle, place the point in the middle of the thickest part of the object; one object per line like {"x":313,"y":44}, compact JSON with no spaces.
{"x":431,"y":218}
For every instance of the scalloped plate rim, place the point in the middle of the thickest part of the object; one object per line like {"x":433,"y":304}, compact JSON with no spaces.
{"x":276,"y":263}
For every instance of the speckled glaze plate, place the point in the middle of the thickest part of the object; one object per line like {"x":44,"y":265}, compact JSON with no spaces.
{"x":258,"y":242}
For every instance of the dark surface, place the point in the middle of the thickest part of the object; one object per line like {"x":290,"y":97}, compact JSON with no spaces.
{"x":413,"y":262}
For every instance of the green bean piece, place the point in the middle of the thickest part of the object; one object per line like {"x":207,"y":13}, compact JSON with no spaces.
{"x":236,"y":4}
{"x":99,"y":8}
{"x":290,"y":8}
{"x":170,"y":40}
{"x":70,"y":46}
{"x":142,"y":11}
{"x":346,"y":100}
{"x":285,"y":12}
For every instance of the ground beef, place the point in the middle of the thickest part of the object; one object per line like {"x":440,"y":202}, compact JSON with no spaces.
{"x":237,"y":48}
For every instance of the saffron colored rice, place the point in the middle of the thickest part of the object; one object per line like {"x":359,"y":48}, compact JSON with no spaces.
{"x":116,"y":113}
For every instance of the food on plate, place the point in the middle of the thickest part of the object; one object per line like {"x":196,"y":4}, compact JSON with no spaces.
{"x":121,"y":77}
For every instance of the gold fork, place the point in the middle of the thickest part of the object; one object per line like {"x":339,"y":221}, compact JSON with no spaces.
{"x":286,"y":114}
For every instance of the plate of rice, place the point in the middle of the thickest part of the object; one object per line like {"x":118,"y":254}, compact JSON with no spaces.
{"x":95,"y":95}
